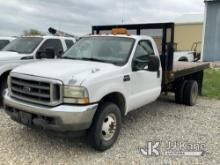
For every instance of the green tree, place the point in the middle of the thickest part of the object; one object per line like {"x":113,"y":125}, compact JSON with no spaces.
{"x":33,"y":32}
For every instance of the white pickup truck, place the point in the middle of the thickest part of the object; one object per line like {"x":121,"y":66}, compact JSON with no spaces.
{"x":28,"y":49}
{"x":187,"y":56}
{"x":97,"y":82}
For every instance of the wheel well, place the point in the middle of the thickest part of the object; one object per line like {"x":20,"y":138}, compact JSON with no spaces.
{"x":183,"y":59}
{"x":116,"y":98}
{"x":4,"y":76}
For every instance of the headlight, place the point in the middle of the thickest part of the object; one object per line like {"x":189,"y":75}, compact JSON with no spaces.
{"x":76,"y":95}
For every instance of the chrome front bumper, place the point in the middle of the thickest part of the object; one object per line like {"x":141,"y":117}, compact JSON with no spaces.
{"x":60,"y":118}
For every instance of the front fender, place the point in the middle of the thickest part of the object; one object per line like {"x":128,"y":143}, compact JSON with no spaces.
{"x":6,"y":66}
{"x":97,"y":93}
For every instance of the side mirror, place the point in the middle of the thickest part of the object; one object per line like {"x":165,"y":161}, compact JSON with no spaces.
{"x":153,"y":64}
{"x":139,"y":64}
{"x":48,"y":53}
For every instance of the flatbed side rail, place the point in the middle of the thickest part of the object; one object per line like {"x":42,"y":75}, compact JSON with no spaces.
{"x":181,"y":69}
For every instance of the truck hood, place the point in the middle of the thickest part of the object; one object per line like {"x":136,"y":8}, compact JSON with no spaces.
{"x":7,"y":56}
{"x":68,"y":71}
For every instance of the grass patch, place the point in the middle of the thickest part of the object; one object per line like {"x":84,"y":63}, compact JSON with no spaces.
{"x":211,"y":84}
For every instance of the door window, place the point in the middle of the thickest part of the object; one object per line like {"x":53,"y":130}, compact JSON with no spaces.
{"x":69,"y":43}
{"x":52,"y":43}
{"x":143,"y":51}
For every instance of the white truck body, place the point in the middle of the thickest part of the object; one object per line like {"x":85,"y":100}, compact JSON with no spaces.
{"x":100,"y":79}
{"x":25,"y":49}
{"x":9,"y":60}
{"x":191,"y":55}
{"x":186,"y":56}
{"x":105,"y":80}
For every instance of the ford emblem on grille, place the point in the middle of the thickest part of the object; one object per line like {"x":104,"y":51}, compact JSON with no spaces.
{"x":27,"y":89}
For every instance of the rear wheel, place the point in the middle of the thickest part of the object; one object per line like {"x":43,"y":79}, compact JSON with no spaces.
{"x":190,"y":93}
{"x":179,"y":92}
{"x":106,"y":126}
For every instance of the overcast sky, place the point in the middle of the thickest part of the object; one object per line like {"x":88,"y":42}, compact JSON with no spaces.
{"x":77,"y":16}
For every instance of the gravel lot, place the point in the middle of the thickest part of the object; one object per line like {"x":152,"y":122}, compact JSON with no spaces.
{"x":162,"y":120}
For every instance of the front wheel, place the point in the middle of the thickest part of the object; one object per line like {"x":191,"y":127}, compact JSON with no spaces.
{"x":106,"y":126}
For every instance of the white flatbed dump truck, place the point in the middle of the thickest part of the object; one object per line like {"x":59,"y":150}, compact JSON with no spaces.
{"x":100,"y":80}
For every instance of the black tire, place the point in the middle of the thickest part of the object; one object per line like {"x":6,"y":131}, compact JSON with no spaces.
{"x":179,"y":92}
{"x":190,"y":93}
{"x":96,"y":136}
{"x":3,"y":86}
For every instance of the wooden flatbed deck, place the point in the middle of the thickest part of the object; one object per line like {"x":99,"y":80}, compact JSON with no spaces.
{"x":185,"y":68}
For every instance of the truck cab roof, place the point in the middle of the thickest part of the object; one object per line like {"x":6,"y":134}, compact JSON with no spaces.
{"x":7,"y":38}
{"x":136,"y":37}
{"x":51,"y":37}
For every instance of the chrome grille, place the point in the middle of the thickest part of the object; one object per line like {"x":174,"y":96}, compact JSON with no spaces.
{"x":36,"y":90}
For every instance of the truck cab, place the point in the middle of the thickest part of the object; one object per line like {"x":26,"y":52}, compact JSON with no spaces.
{"x":29,"y":49}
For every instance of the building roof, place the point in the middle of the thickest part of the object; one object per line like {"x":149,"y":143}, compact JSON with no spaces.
{"x":50,"y":37}
{"x":190,"y":19}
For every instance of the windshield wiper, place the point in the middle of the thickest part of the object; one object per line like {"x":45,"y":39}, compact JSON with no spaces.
{"x":90,"y":59}
{"x":104,"y":61}
{"x":71,"y":58}
{"x":12,"y":51}
{"x":93,"y":59}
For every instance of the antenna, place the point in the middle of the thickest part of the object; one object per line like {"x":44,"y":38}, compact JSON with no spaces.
{"x":122,"y":17}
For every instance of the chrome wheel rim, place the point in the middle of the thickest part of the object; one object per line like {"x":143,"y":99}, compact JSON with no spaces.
{"x":109,"y":127}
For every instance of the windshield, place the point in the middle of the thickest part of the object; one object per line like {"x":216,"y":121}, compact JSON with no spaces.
{"x":24,"y":45}
{"x":115,"y":50}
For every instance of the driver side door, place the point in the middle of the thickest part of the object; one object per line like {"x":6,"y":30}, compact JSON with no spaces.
{"x":146,"y":85}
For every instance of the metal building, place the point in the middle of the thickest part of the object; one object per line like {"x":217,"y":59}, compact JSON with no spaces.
{"x":211,"y":48}
{"x":188,"y":32}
